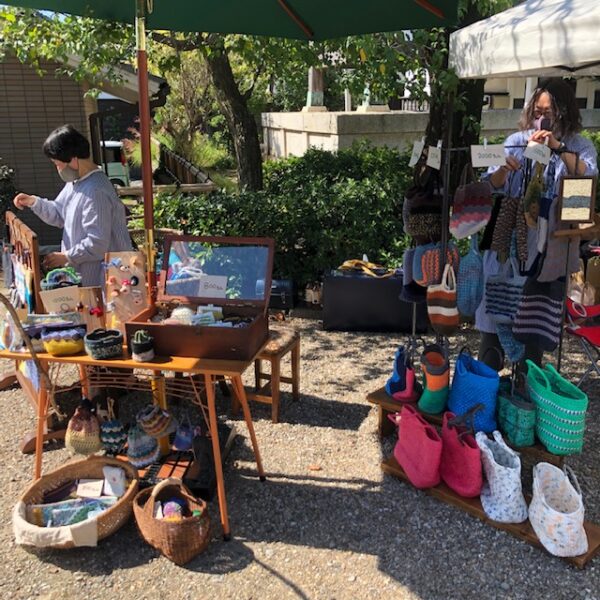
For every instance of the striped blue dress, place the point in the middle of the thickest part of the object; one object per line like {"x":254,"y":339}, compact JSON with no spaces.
{"x":93,"y":220}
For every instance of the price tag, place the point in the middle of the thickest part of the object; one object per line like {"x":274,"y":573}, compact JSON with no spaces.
{"x":416,"y":153}
{"x":538,"y":152}
{"x":434,"y":157}
{"x":491,"y":155}
{"x":213,"y":286}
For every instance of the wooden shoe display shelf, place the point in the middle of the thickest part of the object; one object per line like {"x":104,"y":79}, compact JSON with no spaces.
{"x":472,"y":506}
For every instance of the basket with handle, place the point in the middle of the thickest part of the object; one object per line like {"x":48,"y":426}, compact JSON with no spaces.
{"x":181,"y":540}
{"x":107,"y":522}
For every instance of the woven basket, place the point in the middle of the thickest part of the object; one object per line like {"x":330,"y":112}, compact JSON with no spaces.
{"x":101,"y":344}
{"x":108,"y":521}
{"x":179,"y":541}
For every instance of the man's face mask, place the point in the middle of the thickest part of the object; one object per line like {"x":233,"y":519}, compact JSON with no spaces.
{"x":68,"y":174}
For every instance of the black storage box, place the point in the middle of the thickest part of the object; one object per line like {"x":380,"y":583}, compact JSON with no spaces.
{"x":359,"y":302}
{"x":282,"y":293}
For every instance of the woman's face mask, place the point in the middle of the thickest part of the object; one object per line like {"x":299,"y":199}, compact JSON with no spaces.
{"x":545,"y":123}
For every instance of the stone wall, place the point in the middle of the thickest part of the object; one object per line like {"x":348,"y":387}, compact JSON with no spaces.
{"x":291,"y":134}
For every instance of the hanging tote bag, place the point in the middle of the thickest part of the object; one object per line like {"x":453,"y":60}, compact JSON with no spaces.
{"x":418,"y":449}
{"x":539,"y":317}
{"x":501,"y":494}
{"x":474,"y":383}
{"x":83,"y":430}
{"x":503,"y":292}
{"x":460,"y":466}
{"x":560,"y":410}
{"x":472,"y":205}
{"x":556,"y":511}
{"x":469,"y":281}
{"x":441,"y":304}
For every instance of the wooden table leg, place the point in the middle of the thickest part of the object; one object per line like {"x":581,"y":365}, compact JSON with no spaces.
{"x":296,"y":372}
{"x":238,"y":386}
{"x":209,"y":382}
{"x":159,"y":395}
{"x":85,"y":387}
{"x":42,"y":411}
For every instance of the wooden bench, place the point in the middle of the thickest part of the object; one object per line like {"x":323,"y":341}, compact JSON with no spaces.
{"x":282,"y":341}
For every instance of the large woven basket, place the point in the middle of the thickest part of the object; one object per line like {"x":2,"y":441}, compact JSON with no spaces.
{"x":179,"y":541}
{"x":108,"y":521}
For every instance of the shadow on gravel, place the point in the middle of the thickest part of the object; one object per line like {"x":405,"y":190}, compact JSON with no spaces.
{"x":314,"y":411}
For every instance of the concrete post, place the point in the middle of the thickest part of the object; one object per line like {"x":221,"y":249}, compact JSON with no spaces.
{"x":314,"y":96}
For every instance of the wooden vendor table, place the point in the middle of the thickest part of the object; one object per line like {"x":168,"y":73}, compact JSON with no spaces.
{"x":207,"y":369}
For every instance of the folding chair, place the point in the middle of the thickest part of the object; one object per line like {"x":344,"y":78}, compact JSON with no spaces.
{"x":582,"y":325}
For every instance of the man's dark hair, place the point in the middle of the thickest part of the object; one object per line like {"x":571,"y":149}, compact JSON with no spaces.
{"x":66,"y":143}
{"x":567,"y":118}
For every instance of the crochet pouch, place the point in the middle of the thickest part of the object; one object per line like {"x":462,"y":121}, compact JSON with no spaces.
{"x":469,"y":287}
{"x":503,"y":292}
{"x":83,"y":431}
{"x":472,"y":205}
{"x":556,"y":511}
{"x":474,"y":383}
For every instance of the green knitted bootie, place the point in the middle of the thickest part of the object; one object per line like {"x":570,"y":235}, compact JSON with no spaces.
{"x":436,"y":372}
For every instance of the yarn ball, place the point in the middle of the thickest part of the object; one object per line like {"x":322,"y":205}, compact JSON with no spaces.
{"x":171,"y":509}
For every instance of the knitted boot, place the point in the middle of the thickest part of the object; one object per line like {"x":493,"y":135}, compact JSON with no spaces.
{"x":436,"y":370}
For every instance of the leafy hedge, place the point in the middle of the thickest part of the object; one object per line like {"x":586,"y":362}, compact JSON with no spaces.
{"x":321,"y":208}
{"x":7,"y":188}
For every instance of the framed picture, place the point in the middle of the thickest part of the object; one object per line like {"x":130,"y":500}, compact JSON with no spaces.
{"x":577,"y":199}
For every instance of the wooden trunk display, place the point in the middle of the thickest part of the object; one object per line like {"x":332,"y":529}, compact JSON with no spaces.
{"x":225,"y":275}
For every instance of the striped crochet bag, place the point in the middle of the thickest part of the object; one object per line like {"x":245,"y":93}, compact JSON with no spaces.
{"x":472,"y":205}
{"x":432,"y":263}
{"x":503,"y":292}
{"x":469,"y":286}
{"x":441,"y":304}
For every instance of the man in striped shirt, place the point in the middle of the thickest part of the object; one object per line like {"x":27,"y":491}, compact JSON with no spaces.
{"x":88,"y":209}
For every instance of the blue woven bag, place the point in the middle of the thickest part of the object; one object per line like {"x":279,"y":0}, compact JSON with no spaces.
{"x":474,"y":383}
{"x":469,"y":285}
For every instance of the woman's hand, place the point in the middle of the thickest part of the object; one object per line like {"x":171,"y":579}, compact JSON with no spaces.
{"x":542,"y":135}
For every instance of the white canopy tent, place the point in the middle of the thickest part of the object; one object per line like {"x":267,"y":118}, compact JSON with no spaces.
{"x":534,"y":39}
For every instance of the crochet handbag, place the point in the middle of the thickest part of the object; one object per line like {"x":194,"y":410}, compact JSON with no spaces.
{"x":422,"y":207}
{"x":402,"y":385}
{"x":560,"y":410}
{"x":441,"y":304}
{"x":142,"y":449}
{"x":556,"y":511}
{"x":63,"y":277}
{"x":112,"y":432}
{"x":460,"y":466}
{"x":101,"y":344}
{"x":474,"y":383}
{"x":417,"y":266}
{"x":418,"y":449}
{"x":502,"y":493}
{"x":469,"y":286}
{"x":83,"y":430}
{"x":156,"y":421}
{"x":516,"y":416}
{"x":503,"y":292}
{"x":538,"y":319}
{"x":432,"y":264}
{"x":184,"y":435}
{"x":472,"y":205}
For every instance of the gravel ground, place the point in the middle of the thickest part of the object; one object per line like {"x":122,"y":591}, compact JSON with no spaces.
{"x":326,"y":524}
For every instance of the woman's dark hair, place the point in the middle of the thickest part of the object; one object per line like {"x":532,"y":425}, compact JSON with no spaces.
{"x":66,"y":143}
{"x":567,"y":118}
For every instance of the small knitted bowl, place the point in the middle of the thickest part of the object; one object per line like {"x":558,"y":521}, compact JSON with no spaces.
{"x":104,"y":343}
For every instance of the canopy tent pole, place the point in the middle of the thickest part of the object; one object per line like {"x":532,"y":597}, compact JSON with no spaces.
{"x":144,"y":107}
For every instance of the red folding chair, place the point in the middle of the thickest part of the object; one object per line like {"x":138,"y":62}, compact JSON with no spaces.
{"x":582,"y":325}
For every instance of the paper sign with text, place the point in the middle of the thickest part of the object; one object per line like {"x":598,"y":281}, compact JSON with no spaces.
{"x":538,"y":152}
{"x":213,"y":286}
{"x":434,"y":157}
{"x":491,"y":155}
{"x":416,"y":153}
